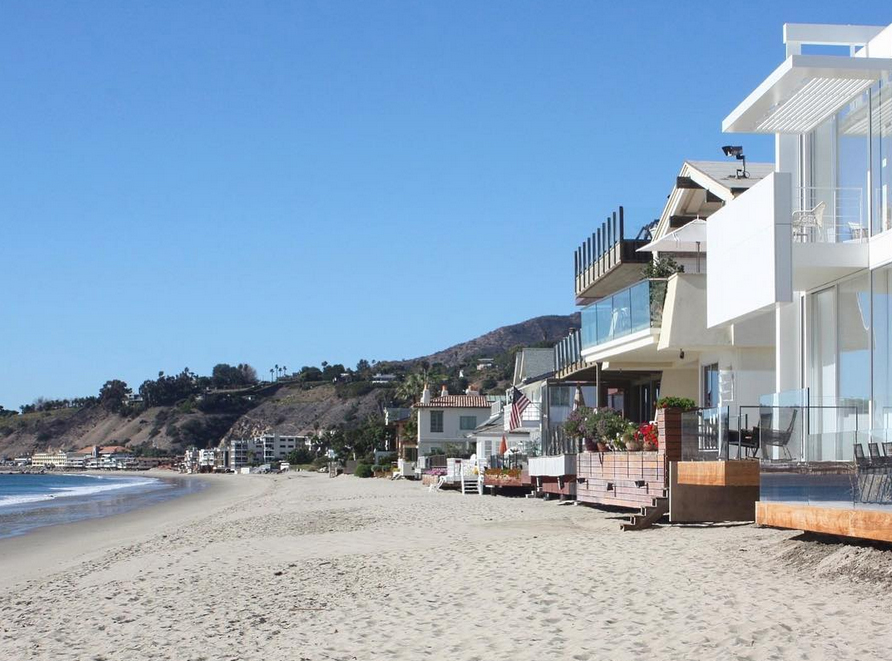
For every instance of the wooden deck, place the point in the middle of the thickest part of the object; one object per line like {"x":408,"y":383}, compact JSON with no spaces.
{"x":862,"y":524}
{"x":741,"y":473}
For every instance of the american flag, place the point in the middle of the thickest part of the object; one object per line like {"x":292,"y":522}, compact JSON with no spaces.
{"x":519,"y":403}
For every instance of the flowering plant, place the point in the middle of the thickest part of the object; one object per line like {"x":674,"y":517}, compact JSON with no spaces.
{"x":575,"y":422}
{"x":647,"y":434}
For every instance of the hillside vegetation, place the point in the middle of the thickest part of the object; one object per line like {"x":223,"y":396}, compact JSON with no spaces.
{"x":175,"y":411}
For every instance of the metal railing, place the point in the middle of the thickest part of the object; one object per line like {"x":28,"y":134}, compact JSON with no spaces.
{"x":829,"y":215}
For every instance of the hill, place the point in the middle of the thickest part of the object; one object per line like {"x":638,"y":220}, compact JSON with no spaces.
{"x":546,"y":329}
{"x":287,"y":407}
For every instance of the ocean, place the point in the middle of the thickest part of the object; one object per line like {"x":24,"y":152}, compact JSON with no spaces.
{"x":33,"y":501}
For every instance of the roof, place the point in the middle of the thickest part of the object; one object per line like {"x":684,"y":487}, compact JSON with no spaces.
{"x":532,"y":362}
{"x":804,"y":91}
{"x":456,"y":402}
{"x":107,"y":449}
{"x":709,"y":185}
{"x":724,"y":173}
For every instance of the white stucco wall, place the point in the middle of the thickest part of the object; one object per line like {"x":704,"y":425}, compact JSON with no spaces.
{"x":681,"y":382}
{"x":684,"y":315}
{"x":451,"y":432}
{"x":750,"y":248}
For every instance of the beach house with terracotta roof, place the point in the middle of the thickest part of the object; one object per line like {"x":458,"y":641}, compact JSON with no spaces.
{"x":444,"y":423}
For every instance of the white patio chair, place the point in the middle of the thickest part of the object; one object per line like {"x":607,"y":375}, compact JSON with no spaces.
{"x":808,"y":224}
{"x":857,"y":231}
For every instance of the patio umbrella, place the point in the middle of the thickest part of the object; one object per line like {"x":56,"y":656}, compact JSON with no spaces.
{"x":503,"y":448}
{"x":578,"y":399}
{"x":687,"y":238}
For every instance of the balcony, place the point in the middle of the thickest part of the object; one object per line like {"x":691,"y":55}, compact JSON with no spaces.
{"x":775,"y":239}
{"x":632,"y":313}
{"x":607,"y":261}
{"x":828,"y":215}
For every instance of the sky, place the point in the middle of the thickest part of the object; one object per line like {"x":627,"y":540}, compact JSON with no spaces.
{"x":183,"y":184}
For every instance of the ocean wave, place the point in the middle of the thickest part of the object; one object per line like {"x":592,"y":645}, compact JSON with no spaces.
{"x":68,"y":492}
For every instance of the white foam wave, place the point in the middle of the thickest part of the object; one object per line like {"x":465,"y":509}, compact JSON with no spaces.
{"x":67,"y":492}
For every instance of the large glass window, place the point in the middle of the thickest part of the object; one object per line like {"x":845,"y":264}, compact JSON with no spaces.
{"x":436,"y":422}
{"x":882,"y":343}
{"x":467,"y":422}
{"x":881,"y":153}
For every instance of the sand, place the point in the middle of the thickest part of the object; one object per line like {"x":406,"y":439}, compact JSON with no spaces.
{"x":302,"y":566}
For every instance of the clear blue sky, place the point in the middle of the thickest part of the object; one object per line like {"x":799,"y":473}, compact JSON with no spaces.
{"x":183,"y":184}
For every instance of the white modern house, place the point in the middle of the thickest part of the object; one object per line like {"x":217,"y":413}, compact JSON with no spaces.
{"x":444,"y":423}
{"x":809,"y":248}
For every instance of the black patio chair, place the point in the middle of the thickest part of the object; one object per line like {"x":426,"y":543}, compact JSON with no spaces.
{"x":778,"y":438}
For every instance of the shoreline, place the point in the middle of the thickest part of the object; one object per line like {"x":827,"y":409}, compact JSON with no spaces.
{"x":63,"y":545}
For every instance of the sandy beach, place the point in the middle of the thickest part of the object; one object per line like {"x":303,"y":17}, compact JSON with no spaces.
{"x":300,"y":566}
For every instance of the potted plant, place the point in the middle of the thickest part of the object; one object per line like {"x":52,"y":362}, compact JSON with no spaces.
{"x":648,"y":437}
{"x":575,"y":426}
{"x":630,"y":438}
{"x":680,"y":403}
{"x":604,"y":425}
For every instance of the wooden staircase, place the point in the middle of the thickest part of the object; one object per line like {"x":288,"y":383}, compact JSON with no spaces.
{"x":649,"y":515}
{"x":471,"y":484}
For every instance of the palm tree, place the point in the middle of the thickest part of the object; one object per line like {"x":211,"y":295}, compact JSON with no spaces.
{"x":284,"y":370}
{"x":270,"y":374}
{"x":277,"y":371}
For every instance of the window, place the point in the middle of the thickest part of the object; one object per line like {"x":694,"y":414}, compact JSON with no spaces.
{"x":710,"y":386}
{"x":467,"y":422}
{"x":436,"y":422}
{"x":560,"y":395}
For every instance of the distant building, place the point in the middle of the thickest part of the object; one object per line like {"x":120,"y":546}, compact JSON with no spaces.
{"x":59,"y":460}
{"x":267,"y":449}
{"x":383,"y":379}
{"x":484,"y":364}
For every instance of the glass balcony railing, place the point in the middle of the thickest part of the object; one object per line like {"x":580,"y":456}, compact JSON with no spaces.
{"x":628,"y":311}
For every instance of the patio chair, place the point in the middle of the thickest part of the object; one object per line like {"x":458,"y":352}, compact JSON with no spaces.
{"x":887,"y":448}
{"x":866,"y":484}
{"x":746,"y":440}
{"x":808,"y":224}
{"x":778,"y":438}
{"x":857,"y":231}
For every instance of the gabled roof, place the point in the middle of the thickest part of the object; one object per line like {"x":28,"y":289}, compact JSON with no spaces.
{"x":531,"y":362}
{"x":456,"y":402}
{"x":702,"y":187}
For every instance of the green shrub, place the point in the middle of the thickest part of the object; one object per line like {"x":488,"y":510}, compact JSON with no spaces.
{"x":363,"y":470}
{"x":683,"y":403}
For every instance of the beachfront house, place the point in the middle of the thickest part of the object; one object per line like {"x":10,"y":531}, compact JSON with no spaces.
{"x":443,"y":425}
{"x":534,"y":436}
{"x":809,"y":247}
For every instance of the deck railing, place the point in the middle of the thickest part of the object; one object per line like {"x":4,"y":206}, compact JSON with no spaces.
{"x":829,"y":215}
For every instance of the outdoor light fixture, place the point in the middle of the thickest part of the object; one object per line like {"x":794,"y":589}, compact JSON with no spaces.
{"x":681,"y":355}
{"x":737,"y":152}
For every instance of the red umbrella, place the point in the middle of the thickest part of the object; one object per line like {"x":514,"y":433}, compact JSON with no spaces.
{"x":503,"y":448}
